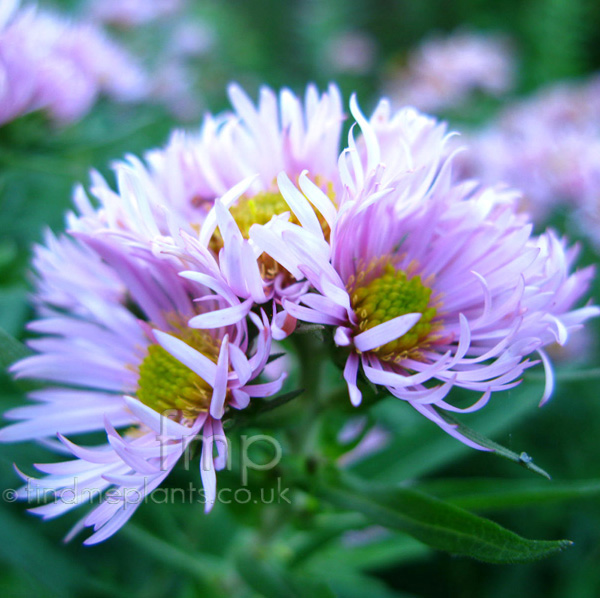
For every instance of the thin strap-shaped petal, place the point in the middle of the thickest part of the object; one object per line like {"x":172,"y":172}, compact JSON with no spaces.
{"x":429,"y":412}
{"x":210,"y":223}
{"x":350,"y":374}
{"x":198,"y":363}
{"x":155,"y":421}
{"x":481,"y":402}
{"x":299,"y":205}
{"x":310,"y":315}
{"x":373,"y":152}
{"x":240,"y":364}
{"x":222,"y":317}
{"x":266,"y":389}
{"x":549,"y":386}
{"x":386,"y":332}
{"x":214,"y":284}
{"x":318,"y":198}
{"x":207,"y":467}
{"x":217,"y":403}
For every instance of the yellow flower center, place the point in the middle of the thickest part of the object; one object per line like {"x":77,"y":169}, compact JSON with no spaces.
{"x":388,"y":296}
{"x":164,"y":383}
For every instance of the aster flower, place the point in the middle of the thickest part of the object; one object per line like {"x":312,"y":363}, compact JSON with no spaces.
{"x":117,"y":350}
{"x":171,"y":204}
{"x":251,"y":146}
{"x":443,"y":72}
{"x":50,"y":64}
{"x":431,"y":285}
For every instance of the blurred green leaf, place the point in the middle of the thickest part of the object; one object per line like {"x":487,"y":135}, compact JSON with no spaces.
{"x":436,"y":523}
{"x":361,"y":552}
{"x":13,"y":308}
{"x":496,"y":494}
{"x":349,"y":583}
{"x":11,"y":349}
{"x":31,"y":554}
{"x":271,"y":581}
{"x":201,"y":565}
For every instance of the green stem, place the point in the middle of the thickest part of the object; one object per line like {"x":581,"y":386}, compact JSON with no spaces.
{"x":311,"y":353}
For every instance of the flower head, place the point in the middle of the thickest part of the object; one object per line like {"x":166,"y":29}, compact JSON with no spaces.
{"x":118,"y":351}
{"x":430,"y":284}
{"x":197,"y":201}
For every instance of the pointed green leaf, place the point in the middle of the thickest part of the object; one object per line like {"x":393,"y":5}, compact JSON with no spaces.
{"x":419,"y":447}
{"x":522,"y":459}
{"x":436,"y":523}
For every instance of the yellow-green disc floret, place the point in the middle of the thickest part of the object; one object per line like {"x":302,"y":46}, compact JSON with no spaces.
{"x":164,"y":383}
{"x":391,"y":295}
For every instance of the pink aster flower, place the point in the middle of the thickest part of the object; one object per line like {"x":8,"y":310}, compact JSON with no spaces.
{"x":443,"y":72}
{"x":50,"y":64}
{"x":240,"y":152}
{"x":430,"y":284}
{"x":170,"y":203}
{"x":114,"y":343}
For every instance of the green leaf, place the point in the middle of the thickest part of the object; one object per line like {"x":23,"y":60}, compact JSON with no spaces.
{"x":11,"y":349}
{"x":370,"y":549}
{"x":522,"y":459}
{"x":496,"y":494}
{"x":32,"y":555}
{"x":201,"y":565}
{"x":436,"y":523}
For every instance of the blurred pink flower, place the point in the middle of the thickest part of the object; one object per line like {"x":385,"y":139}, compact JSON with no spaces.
{"x":443,"y":72}
{"x":548,"y":146}
{"x":50,"y":64}
{"x":351,"y":52}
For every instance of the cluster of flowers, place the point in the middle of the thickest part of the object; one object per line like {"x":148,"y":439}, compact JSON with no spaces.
{"x":48,"y":63}
{"x":548,"y":146}
{"x":157,"y":309}
{"x":444,"y":72}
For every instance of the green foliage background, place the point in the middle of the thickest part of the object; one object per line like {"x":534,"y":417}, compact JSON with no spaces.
{"x":174,"y":549}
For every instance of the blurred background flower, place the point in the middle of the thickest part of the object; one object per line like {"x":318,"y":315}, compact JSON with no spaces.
{"x":446,"y":72}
